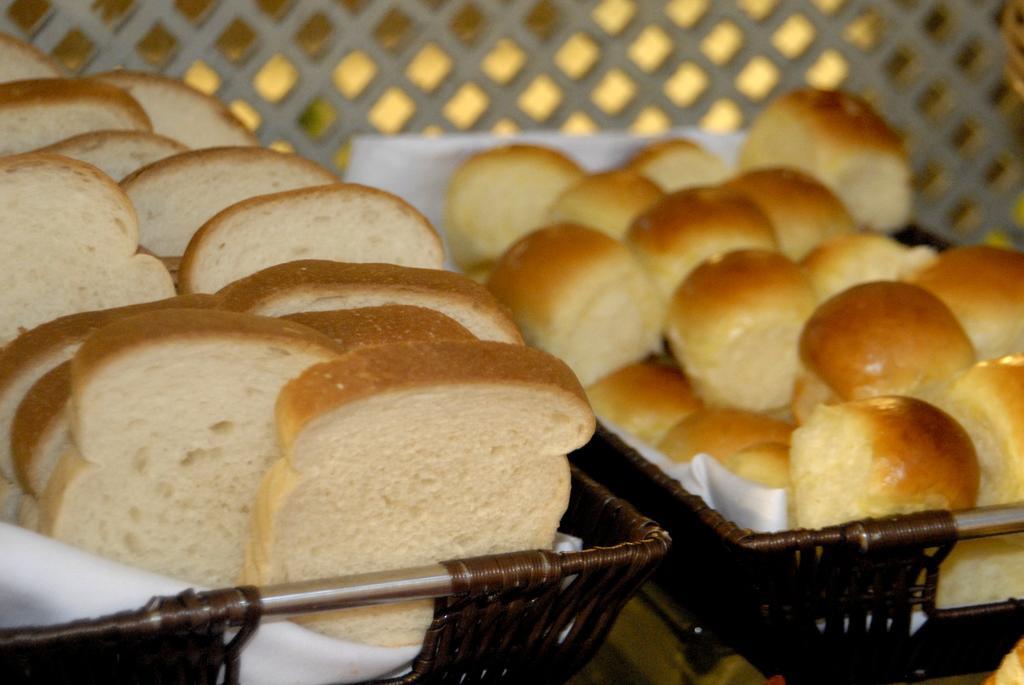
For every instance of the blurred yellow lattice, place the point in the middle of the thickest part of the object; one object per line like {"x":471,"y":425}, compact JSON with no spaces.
{"x":391,"y":111}
{"x":650,"y":120}
{"x":466,"y":106}
{"x":540,"y":98}
{"x":354,"y":73}
{"x":578,"y":123}
{"x":246,"y":113}
{"x":686,"y":85}
{"x":794,"y":36}
{"x":275,"y":79}
{"x":202,"y":77}
{"x":614,"y":91}
{"x":429,"y":67}
{"x":614,"y":15}
{"x":723,"y":116}
{"x":686,"y":13}
{"x":504,"y":61}
{"x":722,"y":42}
{"x":577,"y":55}
{"x":651,"y":47}
{"x":828,"y":71}
{"x":757,"y":78}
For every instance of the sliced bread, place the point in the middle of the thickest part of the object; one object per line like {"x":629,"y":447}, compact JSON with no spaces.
{"x":9,"y":501}
{"x":419,"y":452}
{"x":172,"y":419}
{"x":20,"y":61}
{"x":39,"y":112}
{"x":344,"y":222}
{"x":68,"y":241}
{"x":317,"y":285}
{"x":35,"y":353}
{"x":180,"y":111}
{"x":389,"y":323}
{"x":117,"y":153}
{"x":39,"y":431}
{"x":177,"y":195}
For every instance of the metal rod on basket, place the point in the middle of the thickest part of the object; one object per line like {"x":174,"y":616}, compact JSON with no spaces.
{"x":329,"y":594}
{"x":987,"y":521}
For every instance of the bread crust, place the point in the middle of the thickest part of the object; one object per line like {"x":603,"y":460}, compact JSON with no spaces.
{"x":386,"y":324}
{"x":86,"y":141}
{"x":33,"y":54}
{"x":721,"y":433}
{"x":844,"y":119}
{"x":653,"y":151}
{"x":208,"y":231}
{"x":36,"y":414}
{"x":61,"y":90}
{"x":390,"y":368}
{"x":322,"y":276}
{"x":241,"y":155}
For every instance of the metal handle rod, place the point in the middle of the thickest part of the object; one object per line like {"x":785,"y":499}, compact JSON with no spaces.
{"x":329,"y":594}
{"x":989,"y":521}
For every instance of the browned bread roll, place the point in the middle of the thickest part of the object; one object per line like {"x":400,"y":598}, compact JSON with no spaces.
{"x":848,"y":260}
{"x":497,"y":196}
{"x":722,"y":433}
{"x":646,"y":399}
{"x":841,"y":140}
{"x":803,"y":211}
{"x":607,"y":202}
{"x":876,"y":457}
{"x":581,"y":296}
{"x":882,"y":338}
{"x":766,"y":463}
{"x":682,"y":230}
{"x":677,"y":164}
{"x":984,"y":288}
{"x":1011,"y":670}
{"x":734,"y":324}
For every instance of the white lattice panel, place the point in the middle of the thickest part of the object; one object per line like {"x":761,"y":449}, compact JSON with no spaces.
{"x":308,"y":74}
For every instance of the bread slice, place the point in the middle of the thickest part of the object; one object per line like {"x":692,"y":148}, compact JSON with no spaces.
{"x":40,"y":431}
{"x":117,"y":153}
{"x":39,"y":112}
{"x":389,"y":323}
{"x":499,"y":195}
{"x":172,"y":419}
{"x":582,"y":296}
{"x":419,"y":452}
{"x":677,"y":164}
{"x":177,"y":195}
{"x":318,"y":285}
{"x":9,"y":501}
{"x":20,"y":61}
{"x":181,"y":112}
{"x":344,"y":222}
{"x":69,"y":237}
{"x":35,"y":353}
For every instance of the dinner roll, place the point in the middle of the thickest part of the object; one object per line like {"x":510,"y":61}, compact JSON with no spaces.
{"x":682,"y":230}
{"x":722,"y":433}
{"x":839,"y":139}
{"x":734,"y":324}
{"x":676,"y":164}
{"x":847,"y":260}
{"x":802,"y":210}
{"x":766,"y":463}
{"x":876,"y":457}
{"x":646,"y":399}
{"x":982,"y":571}
{"x":497,"y":196}
{"x":581,"y":296}
{"x":607,"y":202}
{"x":984,"y":288}
{"x":1011,"y":670}
{"x":882,"y":338}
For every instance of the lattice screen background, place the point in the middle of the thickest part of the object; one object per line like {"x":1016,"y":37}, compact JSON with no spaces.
{"x":308,"y":74}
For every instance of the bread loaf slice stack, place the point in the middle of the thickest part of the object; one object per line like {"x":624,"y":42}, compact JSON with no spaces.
{"x":172,"y":420}
{"x":39,"y":112}
{"x":319,"y":285}
{"x":179,"y":111}
{"x":177,"y":195}
{"x":68,"y":241}
{"x":117,"y":153}
{"x":20,"y":61}
{"x":342,"y":222}
{"x":389,"y":323}
{"x":408,"y":454}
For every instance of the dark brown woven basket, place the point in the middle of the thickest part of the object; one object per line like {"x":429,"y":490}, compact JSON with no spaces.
{"x":527,"y":616}
{"x":831,"y":605}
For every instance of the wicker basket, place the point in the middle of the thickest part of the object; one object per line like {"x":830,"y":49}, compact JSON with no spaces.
{"x":832,"y":605}
{"x":526,"y":616}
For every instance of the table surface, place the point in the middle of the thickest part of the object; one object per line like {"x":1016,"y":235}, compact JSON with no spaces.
{"x":656,"y":641}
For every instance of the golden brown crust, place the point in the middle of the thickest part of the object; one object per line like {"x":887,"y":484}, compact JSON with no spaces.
{"x":538,"y":153}
{"x":390,"y":368}
{"x":606,"y":201}
{"x":530,"y":276}
{"x":95,"y":138}
{"x":208,"y":231}
{"x":162,"y":325}
{"x":32,"y":52}
{"x":644,"y":393}
{"x":721,"y":433}
{"x":742,"y":277}
{"x":59,"y":90}
{"x":323,"y":276}
{"x":392,"y":323}
{"x":240,"y":155}
{"x":919,"y":450}
{"x":56,"y":335}
{"x":125,"y":78}
{"x":843,"y":118}
{"x":43,"y":404}
{"x":883,"y":338}
{"x":688,"y":216}
{"x":649,"y":153}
